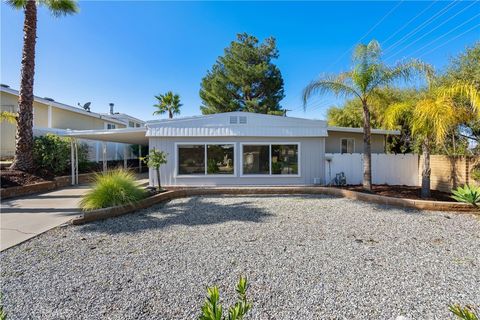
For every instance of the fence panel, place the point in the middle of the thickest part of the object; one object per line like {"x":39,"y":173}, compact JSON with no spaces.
{"x":393,"y":169}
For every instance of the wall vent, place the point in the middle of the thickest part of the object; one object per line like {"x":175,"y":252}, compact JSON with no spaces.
{"x":242,"y":119}
{"x":233,"y":120}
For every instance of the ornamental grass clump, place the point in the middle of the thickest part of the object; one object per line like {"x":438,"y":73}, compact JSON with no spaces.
{"x":113,"y":188}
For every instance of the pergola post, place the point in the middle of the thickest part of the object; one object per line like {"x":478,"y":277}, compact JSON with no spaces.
{"x":104,"y":156}
{"x":72,"y":161}
{"x":125,"y":156}
{"x":140,"y":158}
{"x":76,"y":161}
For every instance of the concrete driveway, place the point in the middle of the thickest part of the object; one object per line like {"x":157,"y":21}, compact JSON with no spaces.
{"x":26,"y":217}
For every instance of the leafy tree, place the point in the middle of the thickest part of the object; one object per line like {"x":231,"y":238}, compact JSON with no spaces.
{"x":23,"y":159}
{"x":154,"y":160}
{"x":168,"y":102}
{"x":244,"y":79}
{"x":432,"y":116}
{"x":369,"y":73}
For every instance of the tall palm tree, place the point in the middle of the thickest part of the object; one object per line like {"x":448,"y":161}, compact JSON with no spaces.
{"x":434,"y":114}
{"x":23,"y":159}
{"x":168,"y":102}
{"x":369,"y":73}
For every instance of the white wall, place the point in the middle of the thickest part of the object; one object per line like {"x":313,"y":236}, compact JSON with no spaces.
{"x":399,"y":169}
{"x":312,"y":162}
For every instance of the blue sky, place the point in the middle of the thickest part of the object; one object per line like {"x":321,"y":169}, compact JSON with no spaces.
{"x":127,"y":51}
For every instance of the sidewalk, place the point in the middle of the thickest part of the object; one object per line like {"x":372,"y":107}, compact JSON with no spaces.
{"x":26,"y":217}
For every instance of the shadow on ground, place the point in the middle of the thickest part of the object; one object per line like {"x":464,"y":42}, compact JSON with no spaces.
{"x":194,"y":212}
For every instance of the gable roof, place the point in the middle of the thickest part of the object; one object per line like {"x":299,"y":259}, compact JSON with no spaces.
{"x":65,"y":106}
{"x":237,"y":124}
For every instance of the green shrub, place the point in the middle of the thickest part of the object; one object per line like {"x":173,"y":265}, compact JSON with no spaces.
{"x":212,"y":309}
{"x":113,"y":188}
{"x":465,"y":313}
{"x":51,"y":153}
{"x":468,"y":194}
{"x":475,"y":174}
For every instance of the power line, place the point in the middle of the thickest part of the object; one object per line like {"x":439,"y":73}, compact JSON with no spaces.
{"x":410,"y":21}
{"x":450,"y":40}
{"x":438,"y":26}
{"x":443,"y":35}
{"x":366,"y":34}
{"x":423,"y":25}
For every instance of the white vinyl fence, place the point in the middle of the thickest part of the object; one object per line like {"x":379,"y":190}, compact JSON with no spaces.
{"x":392,"y":169}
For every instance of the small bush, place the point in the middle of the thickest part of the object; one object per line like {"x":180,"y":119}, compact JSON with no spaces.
{"x":113,"y":188}
{"x":467,"y":194}
{"x":51,"y":153}
{"x":212,"y":309}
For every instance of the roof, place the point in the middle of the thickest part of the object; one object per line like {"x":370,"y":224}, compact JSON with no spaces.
{"x":122,"y":135}
{"x":65,"y":107}
{"x":120,"y":116}
{"x":360,"y":130}
{"x":237,"y":124}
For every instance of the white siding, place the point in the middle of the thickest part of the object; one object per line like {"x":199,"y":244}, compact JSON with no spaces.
{"x":312,"y":162}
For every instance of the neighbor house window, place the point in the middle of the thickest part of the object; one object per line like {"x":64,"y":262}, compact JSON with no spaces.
{"x":285,"y":159}
{"x":348,"y":145}
{"x":270,"y":159}
{"x":110,"y":126}
{"x":131,"y":124}
{"x":220,"y":159}
{"x":206,"y":159}
{"x":191,"y":159}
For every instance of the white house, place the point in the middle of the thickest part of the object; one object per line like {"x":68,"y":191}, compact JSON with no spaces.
{"x":239,"y":148}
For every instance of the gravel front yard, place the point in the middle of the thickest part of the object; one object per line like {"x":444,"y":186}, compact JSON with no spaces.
{"x":306,"y":257}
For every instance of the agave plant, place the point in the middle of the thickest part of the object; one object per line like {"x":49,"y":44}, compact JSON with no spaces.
{"x":468,"y":194}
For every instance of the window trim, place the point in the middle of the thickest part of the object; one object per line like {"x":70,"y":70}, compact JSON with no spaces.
{"x":205,"y":174}
{"x":341,"y":142}
{"x":270,"y":175}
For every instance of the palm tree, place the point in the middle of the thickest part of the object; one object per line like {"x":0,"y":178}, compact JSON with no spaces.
{"x":23,"y":159}
{"x":168,"y":102}
{"x":368,"y":75}
{"x":434,"y":114}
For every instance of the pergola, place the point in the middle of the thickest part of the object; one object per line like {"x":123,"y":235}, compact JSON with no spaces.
{"x":124,"y":135}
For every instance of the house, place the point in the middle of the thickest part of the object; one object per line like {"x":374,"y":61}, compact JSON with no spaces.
{"x":52,"y":116}
{"x":239,"y":148}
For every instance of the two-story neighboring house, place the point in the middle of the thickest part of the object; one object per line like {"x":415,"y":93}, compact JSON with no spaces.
{"x":52,"y":116}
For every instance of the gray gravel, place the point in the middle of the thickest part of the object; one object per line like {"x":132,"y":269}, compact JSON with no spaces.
{"x":306,"y":257}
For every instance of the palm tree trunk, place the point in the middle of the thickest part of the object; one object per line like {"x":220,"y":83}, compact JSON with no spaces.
{"x":170,"y":114}
{"x":158,"y":178}
{"x":23,"y":159}
{"x":425,"y":193}
{"x":367,"y":149}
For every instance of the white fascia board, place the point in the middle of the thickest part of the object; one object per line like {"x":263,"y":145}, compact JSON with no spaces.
{"x":360,"y":130}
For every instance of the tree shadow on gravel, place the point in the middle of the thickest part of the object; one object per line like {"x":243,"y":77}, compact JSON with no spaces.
{"x":194,"y":212}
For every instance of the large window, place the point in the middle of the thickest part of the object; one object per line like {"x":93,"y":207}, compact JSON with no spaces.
{"x":285,"y":159}
{"x":270,"y":159}
{"x":256,"y":159}
{"x":348,"y":145}
{"x":218,"y":159}
{"x":191,"y":159}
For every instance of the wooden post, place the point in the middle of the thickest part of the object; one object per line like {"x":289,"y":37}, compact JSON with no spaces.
{"x":72,"y":161}
{"x":125,"y":156}
{"x":76,"y":162}
{"x":140,"y":158}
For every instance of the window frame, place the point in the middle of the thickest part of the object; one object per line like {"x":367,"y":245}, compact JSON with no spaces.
{"x":270,"y":175}
{"x":353,"y":145}
{"x":205,"y":174}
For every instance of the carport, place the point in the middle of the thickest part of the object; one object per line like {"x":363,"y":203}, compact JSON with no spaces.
{"x":132,"y":136}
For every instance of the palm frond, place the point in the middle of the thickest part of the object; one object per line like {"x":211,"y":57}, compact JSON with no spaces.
{"x":17,"y":4}
{"x":397,"y":112}
{"x":9,"y":117}
{"x":435,"y":117}
{"x":61,"y":7}
{"x":465,"y":90}
{"x":336,"y":85}
{"x":404,"y":71}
